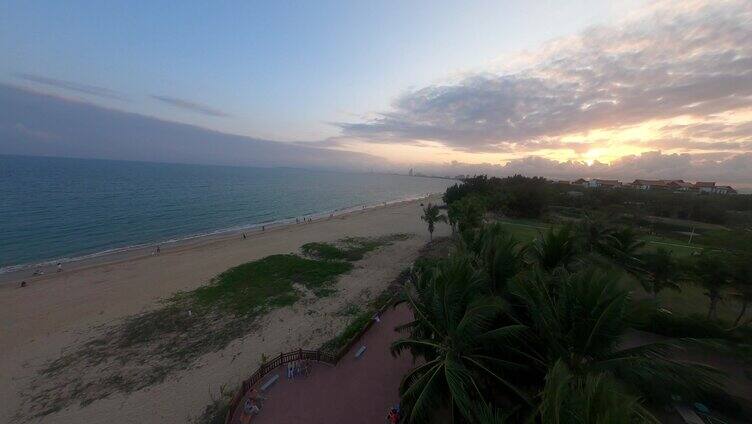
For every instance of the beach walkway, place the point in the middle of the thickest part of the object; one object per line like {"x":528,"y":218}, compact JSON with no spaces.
{"x":355,"y":391}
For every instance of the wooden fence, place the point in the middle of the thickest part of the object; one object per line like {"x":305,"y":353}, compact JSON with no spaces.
{"x":295,"y":355}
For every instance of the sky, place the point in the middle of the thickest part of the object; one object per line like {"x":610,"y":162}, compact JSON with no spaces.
{"x":585,"y":88}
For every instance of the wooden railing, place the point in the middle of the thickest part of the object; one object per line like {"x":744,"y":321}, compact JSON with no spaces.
{"x":292,"y":356}
{"x":274,"y":363}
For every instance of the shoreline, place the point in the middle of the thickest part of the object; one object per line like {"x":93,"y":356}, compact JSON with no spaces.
{"x":25,"y":272}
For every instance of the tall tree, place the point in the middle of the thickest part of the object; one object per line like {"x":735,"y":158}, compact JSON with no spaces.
{"x":661,"y":271}
{"x":553,"y":248}
{"x":711,"y":272}
{"x":741,"y":281}
{"x":432,"y":215}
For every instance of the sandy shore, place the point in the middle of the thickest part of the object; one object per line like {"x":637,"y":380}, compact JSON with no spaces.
{"x":57,"y":311}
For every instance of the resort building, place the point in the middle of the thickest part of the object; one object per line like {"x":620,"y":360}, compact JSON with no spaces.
{"x":651,"y":184}
{"x":596,"y":183}
{"x":705,"y":186}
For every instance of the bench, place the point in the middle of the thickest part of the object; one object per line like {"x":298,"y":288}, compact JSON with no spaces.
{"x":270,"y":382}
{"x":360,"y":351}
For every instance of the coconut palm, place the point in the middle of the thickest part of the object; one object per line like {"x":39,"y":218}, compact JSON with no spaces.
{"x":552,"y":249}
{"x":432,"y":215}
{"x":625,"y":249}
{"x":593,"y":236}
{"x":501,"y":257}
{"x":711,"y":272}
{"x":454,"y":331}
{"x":661,"y":271}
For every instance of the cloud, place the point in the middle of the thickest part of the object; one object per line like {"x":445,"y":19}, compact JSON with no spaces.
{"x":678,"y":59}
{"x":44,"y":125}
{"x":92,"y":90}
{"x":190,"y":106}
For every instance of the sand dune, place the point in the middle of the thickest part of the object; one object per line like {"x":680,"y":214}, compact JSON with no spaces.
{"x":57,"y":312}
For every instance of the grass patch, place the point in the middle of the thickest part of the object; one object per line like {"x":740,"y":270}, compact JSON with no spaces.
{"x":362,"y":318}
{"x":350,"y":249}
{"x":691,"y":300}
{"x":251,"y":287}
{"x":356,"y":325}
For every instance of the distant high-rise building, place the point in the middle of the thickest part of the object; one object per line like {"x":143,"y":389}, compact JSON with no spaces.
{"x":410,"y":173}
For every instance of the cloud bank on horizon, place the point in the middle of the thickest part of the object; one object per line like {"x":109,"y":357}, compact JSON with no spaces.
{"x":39,"y":124}
{"x":667,"y":93}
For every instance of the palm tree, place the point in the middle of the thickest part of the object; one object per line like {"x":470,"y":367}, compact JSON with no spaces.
{"x":552,"y":249}
{"x":711,"y":272}
{"x":597,"y":398}
{"x":500,"y":255}
{"x":661,"y":271}
{"x":453,"y":330}
{"x":625,"y":249}
{"x":432,"y":215}
{"x":741,"y":280}
{"x":454,"y":214}
{"x":594,"y":236}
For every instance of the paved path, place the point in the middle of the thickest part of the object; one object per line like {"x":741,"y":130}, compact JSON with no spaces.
{"x":355,"y":391}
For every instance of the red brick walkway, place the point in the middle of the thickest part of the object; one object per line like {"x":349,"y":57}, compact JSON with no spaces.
{"x":355,"y":391}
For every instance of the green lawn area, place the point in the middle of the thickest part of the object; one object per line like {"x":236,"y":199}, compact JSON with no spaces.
{"x":691,"y":300}
{"x":524,"y":230}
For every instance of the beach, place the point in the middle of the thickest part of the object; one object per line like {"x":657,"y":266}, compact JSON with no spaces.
{"x":56,"y":312}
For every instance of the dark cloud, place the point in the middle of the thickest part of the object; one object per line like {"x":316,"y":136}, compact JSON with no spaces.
{"x":92,"y":90}
{"x":45,"y":125}
{"x":190,"y":106}
{"x":678,"y":60}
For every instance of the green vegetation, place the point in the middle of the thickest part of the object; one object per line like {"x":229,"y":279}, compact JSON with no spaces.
{"x":533,"y":321}
{"x":144,"y":349}
{"x":356,"y":324}
{"x":349,"y":249}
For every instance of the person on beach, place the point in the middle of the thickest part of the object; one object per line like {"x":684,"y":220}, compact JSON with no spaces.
{"x":23,"y":283}
{"x":263,"y":228}
{"x":243,"y":236}
{"x":59,"y":267}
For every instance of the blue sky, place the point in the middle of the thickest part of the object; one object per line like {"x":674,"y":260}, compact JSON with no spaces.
{"x":659,"y":89}
{"x":279,"y":70}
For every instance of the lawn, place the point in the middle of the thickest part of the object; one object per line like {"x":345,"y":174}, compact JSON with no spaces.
{"x":692,"y":300}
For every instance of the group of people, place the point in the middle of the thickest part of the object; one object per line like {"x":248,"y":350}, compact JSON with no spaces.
{"x":296,"y":368}
{"x":394,"y":415}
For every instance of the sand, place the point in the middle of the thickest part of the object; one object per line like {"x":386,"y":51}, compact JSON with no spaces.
{"x":57,"y":311}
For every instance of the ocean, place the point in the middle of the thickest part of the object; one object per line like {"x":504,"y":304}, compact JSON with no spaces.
{"x":58,"y":209}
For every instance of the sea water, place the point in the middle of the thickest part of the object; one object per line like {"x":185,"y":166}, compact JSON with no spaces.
{"x":55,"y":209}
